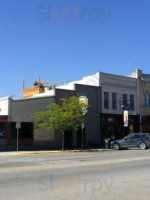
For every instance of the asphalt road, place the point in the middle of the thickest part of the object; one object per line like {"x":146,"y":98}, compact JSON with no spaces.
{"x":110,"y":175}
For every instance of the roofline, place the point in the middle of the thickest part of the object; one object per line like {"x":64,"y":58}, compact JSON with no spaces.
{"x":118,"y":75}
{"x":34,"y":98}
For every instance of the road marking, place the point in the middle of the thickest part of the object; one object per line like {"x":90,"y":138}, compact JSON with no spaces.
{"x":69,"y":165}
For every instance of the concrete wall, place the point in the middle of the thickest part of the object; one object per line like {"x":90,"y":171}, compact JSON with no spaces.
{"x":4,"y":106}
{"x":93,"y":115}
{"x":92,"y":80}
{"x":144,"y":88}
{"x":24,"y":110}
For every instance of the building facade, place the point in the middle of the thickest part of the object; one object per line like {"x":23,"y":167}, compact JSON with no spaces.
{"x":32,"y":137}
{"x":107,"y":95}
{"x":143,"y":81}
{"x":118,"y":91}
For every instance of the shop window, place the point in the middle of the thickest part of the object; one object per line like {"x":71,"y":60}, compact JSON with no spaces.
{"x":2,"y":130}
{"x":26,"y":131}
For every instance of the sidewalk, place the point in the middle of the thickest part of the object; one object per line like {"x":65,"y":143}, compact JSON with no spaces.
{"x":14,"y":153}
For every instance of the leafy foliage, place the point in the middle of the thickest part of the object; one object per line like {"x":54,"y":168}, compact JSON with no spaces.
{"x":66,"y":116}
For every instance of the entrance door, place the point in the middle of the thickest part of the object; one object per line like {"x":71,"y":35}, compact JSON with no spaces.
{"x":68,"y":140}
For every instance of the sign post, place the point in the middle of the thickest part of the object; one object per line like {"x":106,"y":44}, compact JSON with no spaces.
{"x":82,"y":126}
{"x":18,"y":126}
{"x":140,"y":123}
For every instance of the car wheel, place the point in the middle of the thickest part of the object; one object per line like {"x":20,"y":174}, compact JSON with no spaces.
{"x":142,"y":146}
{"x":116,"y":147}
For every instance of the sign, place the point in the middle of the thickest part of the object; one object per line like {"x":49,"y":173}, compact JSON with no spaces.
{"x":82,"y":125}
{"x":18,"y":125}
{"x":131,"y":127}
{"x":84,"y":101}
{"x":126,"y":118}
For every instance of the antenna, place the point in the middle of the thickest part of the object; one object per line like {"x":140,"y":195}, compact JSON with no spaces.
{"x":39,"y":79}
{"x":23,"y":85}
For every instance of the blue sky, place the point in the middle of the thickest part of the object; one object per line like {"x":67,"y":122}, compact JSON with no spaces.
{"x":63,"y":40}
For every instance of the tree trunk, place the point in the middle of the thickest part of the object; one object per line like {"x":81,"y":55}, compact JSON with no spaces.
{"x":63,"y":142}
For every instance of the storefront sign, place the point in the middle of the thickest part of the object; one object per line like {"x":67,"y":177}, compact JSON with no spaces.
{"x":18,"y":125}
{"x":126,"y":118}
{"x":84,"y":101}
{"x":131,"y":127}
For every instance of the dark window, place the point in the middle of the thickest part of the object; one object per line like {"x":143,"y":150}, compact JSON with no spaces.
{"x":137,"y":136}
{"x":132,"y":102}
{"x":106,"y":100}
{"x":145,"y":100}
{"x":145,"y":136}
{"x":125,"y":98}
{"x":26,"y":131}
{"x":2,"y":130}
{"x":114,"y":101}
{"x":130,"y":137}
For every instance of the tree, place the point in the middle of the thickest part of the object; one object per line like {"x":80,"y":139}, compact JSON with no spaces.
{"x":66,"y":116}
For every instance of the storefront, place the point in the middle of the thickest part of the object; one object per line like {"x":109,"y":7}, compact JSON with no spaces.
{"x":8,"y":135}
{"x":113,"y":126}
{"x":146,"y":124}
{"x":3,"y":130}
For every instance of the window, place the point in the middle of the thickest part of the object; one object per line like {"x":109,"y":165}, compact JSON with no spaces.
{"x":114,"y":101}
{"x":25,"y":132}
{"x":131,"y":102}
{"x":2,"y":130}
{"x":106,"y":100}
{"x":125,"y":98}
{"x":131,"y":136}
{"x":146,"y":100}
{"x":137,"y":137}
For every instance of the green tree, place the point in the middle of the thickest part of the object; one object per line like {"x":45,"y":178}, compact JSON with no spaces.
{"x":62,"y":117}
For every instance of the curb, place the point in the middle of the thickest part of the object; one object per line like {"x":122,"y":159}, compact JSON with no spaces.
{"x":61,"y":152}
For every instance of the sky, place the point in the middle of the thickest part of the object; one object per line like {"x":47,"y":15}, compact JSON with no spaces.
{"x":64,"y":40}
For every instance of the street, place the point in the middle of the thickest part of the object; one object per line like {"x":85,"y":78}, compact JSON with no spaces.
{"x":108,"y":175}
